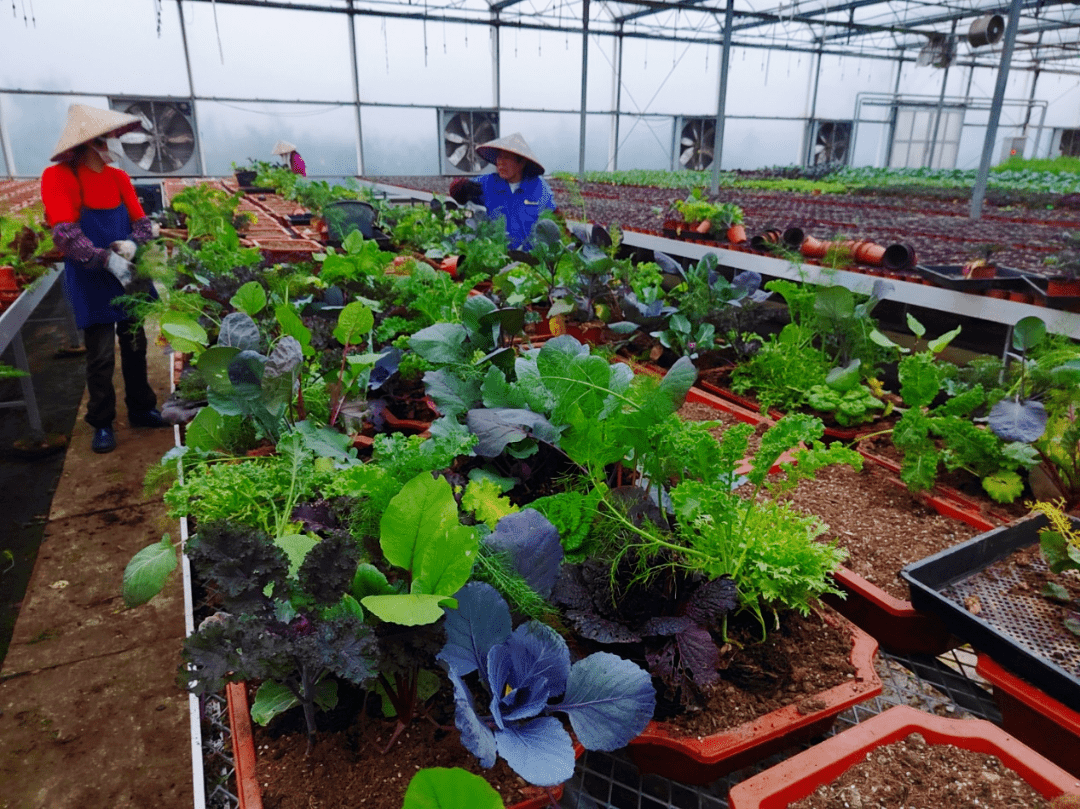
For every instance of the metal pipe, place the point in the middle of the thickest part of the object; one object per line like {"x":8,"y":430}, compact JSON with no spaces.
{"x":721,"y":96}
{"x":616,"y":100}
{"x":356,"y":93}
{"x":191,"y":82}
{"x":496,"y":62}
{"x":584,"y":85}
{"x":5,"y":146}
{"x":940,"y":104}
{"x":979,"y":192}
{"x":813,"y":109}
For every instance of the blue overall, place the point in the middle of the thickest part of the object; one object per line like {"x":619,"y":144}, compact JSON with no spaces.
{"x":90,"y":292}
{"x":521,"y":208}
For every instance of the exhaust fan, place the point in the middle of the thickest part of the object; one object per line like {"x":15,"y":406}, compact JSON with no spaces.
{"x":166,"y":144}
{"x":461,"y":132}
{"x":986,"y":30}
{"x":939,"y":51}
{"x":694,"y":146}
{"x":831,"y":142}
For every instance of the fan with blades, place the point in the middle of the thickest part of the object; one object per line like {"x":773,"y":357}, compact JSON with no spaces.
{"x":831,"y":143}
{"x":167,"y":140}
{"x":696,"y":141}
{"x":462,"y":132}
{"x":939,"y":51}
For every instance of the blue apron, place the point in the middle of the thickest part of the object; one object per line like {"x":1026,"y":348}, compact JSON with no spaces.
{"x":91,"y":291}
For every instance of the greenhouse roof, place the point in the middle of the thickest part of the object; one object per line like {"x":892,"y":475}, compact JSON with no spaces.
{"x":939,"y":33}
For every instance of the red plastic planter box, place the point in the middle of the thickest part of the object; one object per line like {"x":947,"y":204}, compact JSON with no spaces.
{"x":1036,"y":719}
{"x":800,"y":775}
{"x":701,"y":760}
{"x":248,"y":793}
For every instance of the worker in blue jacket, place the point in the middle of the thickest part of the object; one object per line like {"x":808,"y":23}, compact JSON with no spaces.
{"x":515,"y":191}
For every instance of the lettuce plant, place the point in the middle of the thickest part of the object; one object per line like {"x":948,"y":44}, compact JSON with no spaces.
{"x":526,"y":676}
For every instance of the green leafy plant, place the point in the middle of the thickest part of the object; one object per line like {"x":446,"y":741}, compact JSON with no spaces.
{"x":1060,"y":545}
{"x":450,"y":788}
{"x":697,"y":208}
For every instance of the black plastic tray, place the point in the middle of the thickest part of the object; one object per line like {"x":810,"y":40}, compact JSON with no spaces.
{"x":1019,"y":631}
{"x":951,"y":276}
{"x":1038,"y":287}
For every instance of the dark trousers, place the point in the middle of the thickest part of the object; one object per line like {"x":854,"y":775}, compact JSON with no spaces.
{"x":100,"y":342}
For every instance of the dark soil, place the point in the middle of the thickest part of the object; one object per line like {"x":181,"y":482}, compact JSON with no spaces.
{"x":914,"y":773}
{"x":936,"y":224}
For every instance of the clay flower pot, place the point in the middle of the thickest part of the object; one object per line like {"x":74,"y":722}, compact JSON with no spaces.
{"x":793,"y":237}
{"x":814,"y":248}
{"x":797,"y":777}
{"x":701,"y":760}
{"x":766,"y":239}
{"x":899,"y":257}
{"x":736,"y":234}
{"x":866,"y":252}
{"x":1063,"y":286}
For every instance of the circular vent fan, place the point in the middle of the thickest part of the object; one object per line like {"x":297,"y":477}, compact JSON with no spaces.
{"x":831,"y":143}
{"x":696,"y":143}
{"x":168,"y":139}
{"x":463,"y":133}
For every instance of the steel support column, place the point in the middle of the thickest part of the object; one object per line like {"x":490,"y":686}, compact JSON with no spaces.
{"x":584,"y":84}
{"x":351,"y":20}
{"x":616,"y":104}
{"x":721,"y":96}
{"x":979,"y":193}
{"x":191,"y":82}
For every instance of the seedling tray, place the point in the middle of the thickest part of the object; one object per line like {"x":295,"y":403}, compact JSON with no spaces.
{"x":1017,"y":628}
{"x":1037,"y":286}
{"x":951,"y":276}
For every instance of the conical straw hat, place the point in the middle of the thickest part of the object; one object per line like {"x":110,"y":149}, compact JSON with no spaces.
{"x":283,"y":147}
{"x":515,"y":144}
{"x":86,"y":123}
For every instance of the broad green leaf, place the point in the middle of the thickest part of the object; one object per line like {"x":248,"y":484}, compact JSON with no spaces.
{"x":418,"y":515}
{"x":296,"y":547}
{"x":447,"y":563}
{"x":214,"y":363}
{"x":210,"y":430}
{"x":273,"y":698}
{"x":450,"y":788}
{"x":938,"y":345}
{"x":1028,"y":333}
{"x":292,"y":326}
{"x":917,"y":328}
{"x":408,"y":609}
{"x":354,"y":323}
{"x":146,"y":573}
{"x":184,"y":333}
{"x":369,"y":580}
{"x":250,"y":298}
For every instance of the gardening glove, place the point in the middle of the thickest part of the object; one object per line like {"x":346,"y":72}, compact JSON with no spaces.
{"x":121,"y":268}
{"x":125,"y":248}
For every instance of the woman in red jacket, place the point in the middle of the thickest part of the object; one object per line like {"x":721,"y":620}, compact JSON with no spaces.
{"x":96,"y":221}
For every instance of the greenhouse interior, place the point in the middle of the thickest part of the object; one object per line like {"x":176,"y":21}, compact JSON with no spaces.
{"x":597,"y":405}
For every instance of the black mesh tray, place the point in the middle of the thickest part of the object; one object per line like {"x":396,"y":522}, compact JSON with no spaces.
{"x":951,"y":276}
{"x":1019,"y":630}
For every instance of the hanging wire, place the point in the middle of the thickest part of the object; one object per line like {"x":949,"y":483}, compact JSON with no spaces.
{"x":157,"y":12}
{"x":386,"y":46}
{"x":425,"y":32}
{"x":217,"y":32}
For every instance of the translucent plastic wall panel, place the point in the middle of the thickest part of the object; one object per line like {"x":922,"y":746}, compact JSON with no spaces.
{"x":33,"y":125}
{"x":753,"y":144}
{"x":325,"y":135}
{"x":869,"y":148}
{"x":842,"y":79}
{"x":77,"y":46}
{"x":539,"y":71}
{"x":554,"y":138}
{"x":399,"y":141}
{"x":408,"y":62}
{"x":672,"y":78}
{"x":1063,"y":96}
{"x":263,"y":53}
{"x":603,"y":61}
{"x":645,"y":142}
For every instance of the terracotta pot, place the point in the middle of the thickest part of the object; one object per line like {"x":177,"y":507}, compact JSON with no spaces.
{"x":766,"y":239}
{"x":793,"y":237}
{"x":814,"y":248}
{"x":736,"y":234}
{"x":249,"y":795}
{"x":982,"y":271}
{"x":1034,"y":718}
{"x":867,"y":252}
{"x":797,"y":777}
{"x":899,"y":257}
{"x":701,"y":760}
{"x":1003,"y":294}
{"x":702,"y":227}
{"x":7,"y":279}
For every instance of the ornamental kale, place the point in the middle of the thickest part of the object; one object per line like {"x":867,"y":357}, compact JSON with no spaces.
{"x":608,"y":700}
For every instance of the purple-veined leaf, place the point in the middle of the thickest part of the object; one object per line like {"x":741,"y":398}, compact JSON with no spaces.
{"x":593,"y":627}
{"x":497,"y":427}
{"x":532,"y":543}
{"x":712,"y":601}
{"x":513,"y":697}
{"x":540,"y":751}
{"x":609,"y":701}
{"x":480,"y":621}
{"x":666,"y":625}
{"x":475,"y":735}
{"x":1018,"y":421}
{"x":698,"y":654}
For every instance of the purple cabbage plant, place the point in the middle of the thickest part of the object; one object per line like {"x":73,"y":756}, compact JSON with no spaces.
{"x":527,"y":676}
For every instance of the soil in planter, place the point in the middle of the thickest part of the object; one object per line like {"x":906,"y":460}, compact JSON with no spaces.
{"x":345,"y":769}
{"x":914,"y":773}
{"x":881,"y":525}
{"x":802,"y":657}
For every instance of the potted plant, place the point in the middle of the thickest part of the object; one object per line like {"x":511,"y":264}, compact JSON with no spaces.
{"x":798,"y":777}
{"x":1064,"y":266}
{"x":710,"y":218}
